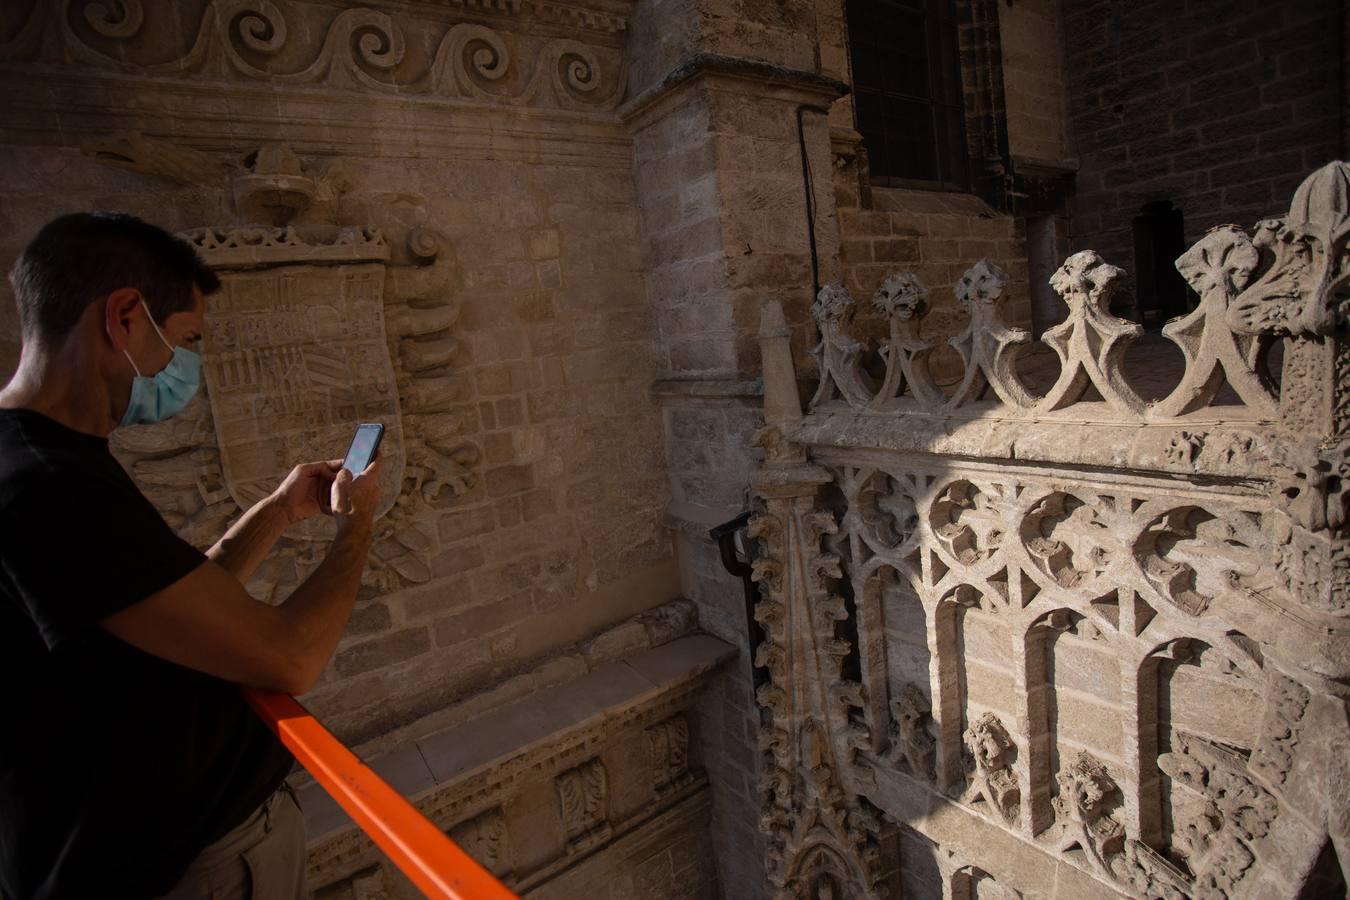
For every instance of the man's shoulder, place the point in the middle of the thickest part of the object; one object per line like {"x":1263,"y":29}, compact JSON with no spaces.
{"x":34,"y":470}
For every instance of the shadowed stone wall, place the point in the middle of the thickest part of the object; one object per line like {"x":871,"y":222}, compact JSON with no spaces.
{"x":1220,"y":107}
{"x":530,"y":513}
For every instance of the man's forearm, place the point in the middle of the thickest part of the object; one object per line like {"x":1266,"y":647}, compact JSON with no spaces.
{"x":249,"y":540}
{"x":318,"y":609}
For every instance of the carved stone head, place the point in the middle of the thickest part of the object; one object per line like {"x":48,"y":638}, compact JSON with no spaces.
{"x":1085,"y":788}
{"x":834,"y":306}
{"x":989,"y":743}
{"x":1085,"y":278}
{"x":983,"y":282}
{"x":903,"y":296}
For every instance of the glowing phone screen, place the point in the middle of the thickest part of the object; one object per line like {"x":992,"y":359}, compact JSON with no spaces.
{"x":363,"y":448}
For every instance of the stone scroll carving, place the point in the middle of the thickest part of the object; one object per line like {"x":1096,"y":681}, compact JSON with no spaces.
{"x":1289,"y":279}
{"x":358,"y":49}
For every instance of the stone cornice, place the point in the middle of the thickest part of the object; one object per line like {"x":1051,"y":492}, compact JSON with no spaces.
{"x":792,"y":84}
{"x":79,"y":105}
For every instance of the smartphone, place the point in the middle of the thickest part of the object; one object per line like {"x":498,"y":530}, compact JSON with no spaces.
{"x":363,"y":448}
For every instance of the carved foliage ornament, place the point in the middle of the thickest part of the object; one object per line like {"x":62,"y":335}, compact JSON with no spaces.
{"x":485,"y":838}
{"x":361,"y":49}
{"x":583,"y":796}
{"x":1305,"y":288}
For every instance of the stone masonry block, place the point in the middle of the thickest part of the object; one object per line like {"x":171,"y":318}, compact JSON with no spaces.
{"x":457,"y":559}
{"x":544,"y":244}
{"x":382,"y":651}
{"x":505,"y":480}
{"x":370,"y":619}
{"x":481,"y":620}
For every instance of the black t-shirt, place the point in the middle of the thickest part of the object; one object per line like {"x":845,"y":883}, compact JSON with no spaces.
{"x":116,"y":767}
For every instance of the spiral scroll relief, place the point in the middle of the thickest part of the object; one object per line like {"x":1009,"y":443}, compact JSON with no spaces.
{"x":357,"y":48}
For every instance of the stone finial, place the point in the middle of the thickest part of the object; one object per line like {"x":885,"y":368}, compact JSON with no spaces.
{"x":1218,"y":267}
{"x":1304,"y":289}
{"x":839,"y":355}
{"x":274,"y":188}
{"x":988,"y":347}
{"x":903,"y":299}
{"x":1091,"y":342}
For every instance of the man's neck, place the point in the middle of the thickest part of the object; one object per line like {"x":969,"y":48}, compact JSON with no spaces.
{"x":63,"y":386}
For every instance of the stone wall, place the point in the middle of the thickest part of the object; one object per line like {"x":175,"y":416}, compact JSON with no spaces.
{"x":515,"y":316}
{"x":933,"y":234}
{"x":1033,"y":80}
{"x":1220,"y":108}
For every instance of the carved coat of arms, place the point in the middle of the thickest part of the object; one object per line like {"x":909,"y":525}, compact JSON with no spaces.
{"x":296,"y":355}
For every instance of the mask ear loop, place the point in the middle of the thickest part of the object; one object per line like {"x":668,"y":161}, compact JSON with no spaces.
{"x":153,"y":324}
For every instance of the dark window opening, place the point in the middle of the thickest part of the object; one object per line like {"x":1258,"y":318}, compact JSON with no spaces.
{"x":907,"y":91}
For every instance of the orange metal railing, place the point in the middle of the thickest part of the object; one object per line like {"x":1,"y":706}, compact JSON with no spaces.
{"x":434,"y":863}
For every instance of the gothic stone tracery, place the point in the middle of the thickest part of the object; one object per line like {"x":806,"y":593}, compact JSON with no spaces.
{"x":1095,"y":623}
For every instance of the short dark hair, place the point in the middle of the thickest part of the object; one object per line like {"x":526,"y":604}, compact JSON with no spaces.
{"x":79,"y":258}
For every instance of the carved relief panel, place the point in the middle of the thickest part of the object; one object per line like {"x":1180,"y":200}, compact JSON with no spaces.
{"x":295,"y":356}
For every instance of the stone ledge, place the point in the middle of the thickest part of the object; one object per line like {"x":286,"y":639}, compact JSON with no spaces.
{"x":1211,"y":443}
{"x":970,"y":836}
{"x":808,"y":85}
{"x":457,"y":753}
{"x":913,"y":201}
{"x":749,"y":391}
{"x":696,"y":521}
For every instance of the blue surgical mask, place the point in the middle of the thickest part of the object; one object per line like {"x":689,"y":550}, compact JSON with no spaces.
{"x":156,"y":399}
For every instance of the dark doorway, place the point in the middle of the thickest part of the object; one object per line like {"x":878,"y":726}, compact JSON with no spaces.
{"x":1159,"y":238}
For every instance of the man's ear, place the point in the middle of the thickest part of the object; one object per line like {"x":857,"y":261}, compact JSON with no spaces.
{"x":118,"y":312}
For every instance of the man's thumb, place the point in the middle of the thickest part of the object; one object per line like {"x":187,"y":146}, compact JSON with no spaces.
{"x":342,"y":492}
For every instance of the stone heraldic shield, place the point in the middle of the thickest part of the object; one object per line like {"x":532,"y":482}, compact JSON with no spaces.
{"x":295,"y":357}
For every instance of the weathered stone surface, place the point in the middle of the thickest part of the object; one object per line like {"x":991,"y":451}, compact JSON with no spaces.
{"x":566,"y":775}
{"x":1102,"y":623}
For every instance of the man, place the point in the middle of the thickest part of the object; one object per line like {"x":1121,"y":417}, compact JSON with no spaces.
{"x":130,"y":765}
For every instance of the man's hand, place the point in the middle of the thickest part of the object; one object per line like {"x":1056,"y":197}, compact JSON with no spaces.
{"x":306,"y":491}
{"x":353,"y":500}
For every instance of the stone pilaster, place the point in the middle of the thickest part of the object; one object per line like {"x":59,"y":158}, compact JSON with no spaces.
{"x":729,"y":112}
